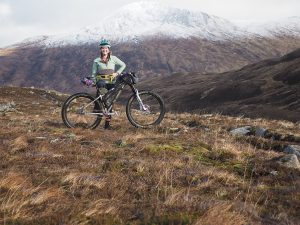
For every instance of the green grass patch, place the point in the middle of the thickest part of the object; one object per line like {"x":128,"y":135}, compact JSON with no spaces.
{"x":176,"y":147}
{"x":220,"y":158}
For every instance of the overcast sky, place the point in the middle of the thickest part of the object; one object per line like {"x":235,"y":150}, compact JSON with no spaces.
{"x":20,"y":19}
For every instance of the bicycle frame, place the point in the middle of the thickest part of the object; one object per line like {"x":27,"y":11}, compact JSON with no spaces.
{"x":143,"y":108}
{"x":107,"y":109}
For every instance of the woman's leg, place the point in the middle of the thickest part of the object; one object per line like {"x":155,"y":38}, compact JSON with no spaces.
{"x":101,"y":85}
{"x":108,"y":118}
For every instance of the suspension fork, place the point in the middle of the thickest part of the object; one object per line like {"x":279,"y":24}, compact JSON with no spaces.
{"x":136,"y":92}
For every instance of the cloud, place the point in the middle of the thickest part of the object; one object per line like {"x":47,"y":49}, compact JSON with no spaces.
{"x":5,"y":9}
{"x":23,"y":19}
{"x":58,"y":13}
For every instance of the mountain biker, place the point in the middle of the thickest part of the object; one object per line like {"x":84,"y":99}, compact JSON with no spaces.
{"x":104,"y":71}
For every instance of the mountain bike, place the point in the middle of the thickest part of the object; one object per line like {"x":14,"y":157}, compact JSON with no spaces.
{"x":143,"y":109}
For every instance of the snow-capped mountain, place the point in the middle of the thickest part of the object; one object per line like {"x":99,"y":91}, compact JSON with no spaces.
{"x":143,"y":19}
{"x":152,"y":18}
{"x":287,"y":26}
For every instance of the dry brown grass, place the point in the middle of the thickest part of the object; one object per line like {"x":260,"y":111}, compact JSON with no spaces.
{"x":189,"y":170}
{"x":223,"y":214}
{"x":19,"y":144}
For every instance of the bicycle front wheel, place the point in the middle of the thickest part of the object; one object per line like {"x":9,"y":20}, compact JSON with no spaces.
{"x":147,"y":111}
{"x":81,"y":110}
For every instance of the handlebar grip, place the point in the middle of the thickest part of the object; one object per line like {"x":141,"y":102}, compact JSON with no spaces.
{"x":87,"y":81}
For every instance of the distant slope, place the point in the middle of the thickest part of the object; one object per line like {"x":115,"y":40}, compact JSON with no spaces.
{"x":270,"y":88}
{"x":61,"y":67}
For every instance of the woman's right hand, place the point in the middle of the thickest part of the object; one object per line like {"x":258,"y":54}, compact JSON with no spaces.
{"x":87,"y":82}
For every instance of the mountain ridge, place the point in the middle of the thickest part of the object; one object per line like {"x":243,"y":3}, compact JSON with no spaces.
{"x":61,"y":67}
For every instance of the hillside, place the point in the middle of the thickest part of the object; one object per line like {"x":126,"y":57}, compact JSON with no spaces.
{"x":189,"y":170}
{"x":268,"y":89}
{"x":60,"y":68}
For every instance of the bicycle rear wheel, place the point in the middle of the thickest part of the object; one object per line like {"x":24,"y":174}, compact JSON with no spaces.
{"x":80,"y":110}
{"x":149,"y":113}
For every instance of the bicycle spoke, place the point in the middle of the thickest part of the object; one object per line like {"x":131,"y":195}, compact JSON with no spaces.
{"x":146,"y":111}
{"x":81,"y":111}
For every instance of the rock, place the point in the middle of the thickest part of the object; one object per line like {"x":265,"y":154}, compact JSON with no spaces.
{"x":121,"y":143}
{"x":53,"y":141}
{"x":290,"y":161}
{"x":8,"y":107}
{"x":39,"y":154}
{"x":41,"y":138}
{"x":207,"y":115}
{"x":185,"y":130}
{"x":241,"y":131}
{"x":274,"y":172}
{"x":174,"y":129}
{"x":260,"y":132}
{"x":293,"y":149}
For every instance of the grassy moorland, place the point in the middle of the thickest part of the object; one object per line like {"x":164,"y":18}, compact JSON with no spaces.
{"x":188,"y":170}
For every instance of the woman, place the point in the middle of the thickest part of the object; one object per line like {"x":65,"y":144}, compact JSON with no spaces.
{"x":104,"y":71}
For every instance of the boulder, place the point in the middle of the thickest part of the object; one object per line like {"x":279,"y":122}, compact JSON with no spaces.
{"x":8,"y":107}
{"x":241,"y":131}
{"x":260,"y":132}
{"x":290,"y":161}
{"x":293,"y":149}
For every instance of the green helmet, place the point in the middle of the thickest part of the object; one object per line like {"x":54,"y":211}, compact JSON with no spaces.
{"x":104,"y":43}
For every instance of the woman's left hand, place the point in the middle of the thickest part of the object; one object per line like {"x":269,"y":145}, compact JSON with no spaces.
{"x":115,"y":74}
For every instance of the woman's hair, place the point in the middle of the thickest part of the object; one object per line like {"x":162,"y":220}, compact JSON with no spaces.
{"x":108,"y":55}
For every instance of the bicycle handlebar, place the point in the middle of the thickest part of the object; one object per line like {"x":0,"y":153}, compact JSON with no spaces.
{"x":90,"y":81}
